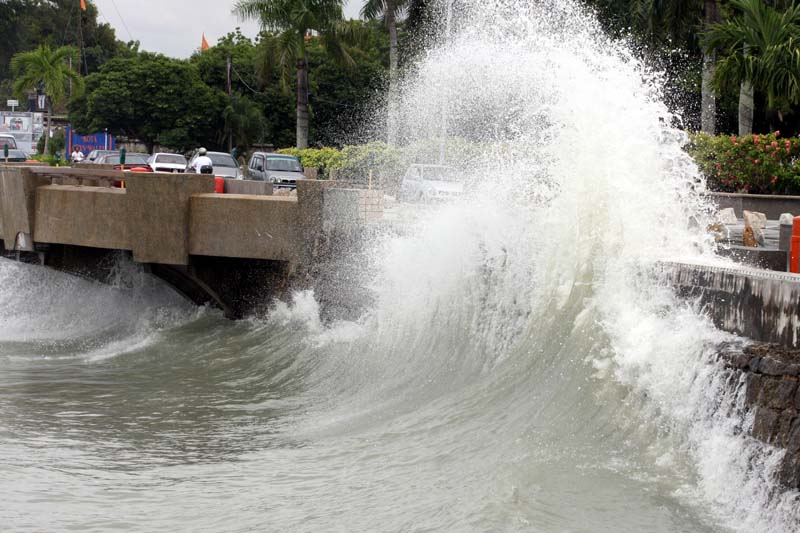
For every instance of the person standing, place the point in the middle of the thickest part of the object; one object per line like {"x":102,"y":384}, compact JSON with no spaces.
{"x":77,"y":155}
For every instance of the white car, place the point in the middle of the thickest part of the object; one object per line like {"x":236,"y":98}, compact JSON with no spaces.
{"x":164,"y":162}
{"x":425,"y":183}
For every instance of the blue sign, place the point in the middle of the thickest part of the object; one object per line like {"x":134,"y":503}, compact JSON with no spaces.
{"x":87,"y":143}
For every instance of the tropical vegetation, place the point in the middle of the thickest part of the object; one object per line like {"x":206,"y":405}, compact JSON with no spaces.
{"x":48,"y":71}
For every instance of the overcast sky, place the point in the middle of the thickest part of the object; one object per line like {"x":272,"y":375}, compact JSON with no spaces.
{"x":174,"y":27}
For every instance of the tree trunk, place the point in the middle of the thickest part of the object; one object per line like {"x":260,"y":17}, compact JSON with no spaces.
{"x":708,"y":101}
{"x":391,"y":24}
{"x":745,"y":108}
{"x":302,"y":99}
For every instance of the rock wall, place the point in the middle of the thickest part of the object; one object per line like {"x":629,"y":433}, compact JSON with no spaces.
{"x":772,"y":390}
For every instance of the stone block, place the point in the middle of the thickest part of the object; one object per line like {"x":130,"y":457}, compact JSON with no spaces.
{"x":753,"y":389}
{"x":765,"y":423}
{"x":777,"y":393}
{"x":784,"y":427}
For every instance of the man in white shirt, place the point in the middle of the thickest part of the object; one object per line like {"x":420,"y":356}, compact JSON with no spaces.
{"x":201,"y":161}
{"x":77,"y":156}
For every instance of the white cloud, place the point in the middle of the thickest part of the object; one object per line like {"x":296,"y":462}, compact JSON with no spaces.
{"x":174,"y":27}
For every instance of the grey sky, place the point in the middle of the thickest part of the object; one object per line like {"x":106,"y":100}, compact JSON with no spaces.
{"x":174,"y":27}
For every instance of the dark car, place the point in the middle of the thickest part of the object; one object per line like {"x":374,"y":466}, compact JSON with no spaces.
{"x":281,"y":170}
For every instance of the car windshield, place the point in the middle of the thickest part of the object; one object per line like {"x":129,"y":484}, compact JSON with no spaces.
{"x":10,"y":141}
{"x":439,"y":174}
{"x":286,"y":164}
{"x":130,"y":159}
{"x":222,"y":160}
{"x":174,"y":159}
{"x":97,"y":154}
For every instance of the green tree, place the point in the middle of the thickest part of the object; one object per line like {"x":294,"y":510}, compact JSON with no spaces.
{"x":244,"y":122}
{"x":151,"y":98}
{"x":760,"y":49}
{"x":48,"y":70}
{"x":294,"y":21}
{"x":681,"y":22}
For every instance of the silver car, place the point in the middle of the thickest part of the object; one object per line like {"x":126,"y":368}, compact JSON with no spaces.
{"x":224,"y":165}
{"x":425,"y":183}
{"x":279,"y":169}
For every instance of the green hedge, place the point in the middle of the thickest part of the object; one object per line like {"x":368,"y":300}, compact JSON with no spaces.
{"x":757,"y":164}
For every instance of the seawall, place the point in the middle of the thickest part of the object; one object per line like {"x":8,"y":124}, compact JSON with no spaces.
{"x":763,"y":307}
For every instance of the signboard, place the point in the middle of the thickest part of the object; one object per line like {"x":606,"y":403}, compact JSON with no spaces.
{"x":24,"y":126}
{"x":12,"y":104}
{"x":87,"y":143}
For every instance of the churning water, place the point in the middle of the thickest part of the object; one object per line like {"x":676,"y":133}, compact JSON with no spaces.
{"x":518,"y":368}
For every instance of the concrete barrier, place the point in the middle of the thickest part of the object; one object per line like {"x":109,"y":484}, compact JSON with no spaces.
{"x":82,"y":216}
{"x":758,"y":304}
{"x":248,"y":187}
{"x":245,"y":226}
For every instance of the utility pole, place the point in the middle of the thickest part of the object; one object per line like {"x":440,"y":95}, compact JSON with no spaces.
{"x":228,"y":82}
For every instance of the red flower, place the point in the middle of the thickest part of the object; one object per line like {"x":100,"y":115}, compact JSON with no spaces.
{"x":755,"y":139}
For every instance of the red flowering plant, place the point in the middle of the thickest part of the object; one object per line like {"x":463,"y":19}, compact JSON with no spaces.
{"x":757,"y":164}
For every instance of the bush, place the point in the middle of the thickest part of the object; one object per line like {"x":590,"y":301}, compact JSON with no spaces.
{"x":757,"y":164}
{"x":323,"y":159}
{"x":56,"y":145}
{"x":386,"y":163}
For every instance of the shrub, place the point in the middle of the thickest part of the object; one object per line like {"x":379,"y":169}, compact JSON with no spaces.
{"x":323,"y":159}
{"x":757,"y":164}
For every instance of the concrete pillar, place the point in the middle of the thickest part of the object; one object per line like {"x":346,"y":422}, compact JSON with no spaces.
{"x":18,"y":206}
{"x":158,"y":214}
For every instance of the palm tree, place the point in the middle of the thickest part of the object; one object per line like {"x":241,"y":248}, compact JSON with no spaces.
{"x":760,"y":48}
{"x":677,"y":20}
{"x":294,"y":21}
{"x":389,"y":11}
{"x":49,"y":70}
{"x":244,"y":122}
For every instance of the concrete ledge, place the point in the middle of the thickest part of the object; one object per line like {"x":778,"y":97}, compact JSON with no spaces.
{"x":245,"y":226}
{"x":83,"y":216}
{"x":757,"y":257}
{"x":759,"y":304}
{"x":248,"y":187}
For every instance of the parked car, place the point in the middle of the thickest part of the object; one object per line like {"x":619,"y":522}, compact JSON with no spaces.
{"x":14,"y":156}
{"x":424,"y":183}
{"x":279,"y":169}
{"x":94,"y":154}
{"x":132,"y":160}
{"x":224,"y":165}
{"x":5,"y":138}
{"x":164,"y":162}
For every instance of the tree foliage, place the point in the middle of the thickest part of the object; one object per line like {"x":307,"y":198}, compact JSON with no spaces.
{"x":760,"y":45}
{"x":151,"y":98}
